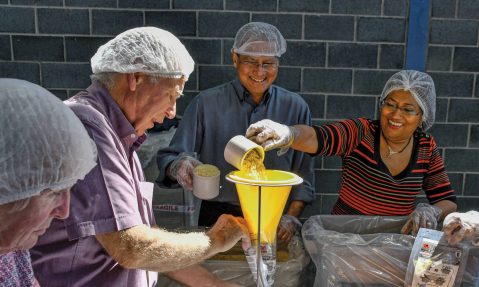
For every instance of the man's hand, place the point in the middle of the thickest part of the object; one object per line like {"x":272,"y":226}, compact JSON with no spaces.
{"x":271,"y":135}
{"x":424,"y":216}
{"x":458,"y":226}
{"x":287,"y":227}
{"x":182,"y":168}
{"x":226,"y":232}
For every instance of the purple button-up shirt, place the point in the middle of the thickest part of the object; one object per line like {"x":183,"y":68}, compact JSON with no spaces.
{"x":112,"y":197}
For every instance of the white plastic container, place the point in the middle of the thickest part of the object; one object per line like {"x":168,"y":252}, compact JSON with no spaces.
{"x":206,"y":181}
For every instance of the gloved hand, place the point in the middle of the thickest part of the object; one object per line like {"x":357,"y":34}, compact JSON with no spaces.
{"x":271,"y":135}
{"x":458,"y":226}
{"x":181,"y":169}
{"x":425,"y":216}
{"x":287,"y":227}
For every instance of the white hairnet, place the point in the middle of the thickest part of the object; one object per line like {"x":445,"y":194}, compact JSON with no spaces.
{"x":259,"y":39}
{"x":148,"y":50}
{"x":421,"y":87}
{"x":43,"y":145}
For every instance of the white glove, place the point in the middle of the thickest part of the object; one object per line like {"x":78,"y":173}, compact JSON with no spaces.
{"x":181,"y":169}
{"x":271,"y":135}
{"x":424,"y":216}
{"x":458,"y":226}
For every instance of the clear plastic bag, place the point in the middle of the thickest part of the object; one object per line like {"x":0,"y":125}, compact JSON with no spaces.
{"x":288,"y":273}
{"x":173,"y":207}
{"x":154,"y":142}
{"x":366,"y":251}
{"x":433,"y":262}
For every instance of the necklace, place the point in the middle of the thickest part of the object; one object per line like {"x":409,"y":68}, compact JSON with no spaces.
{"x":391,"y":152}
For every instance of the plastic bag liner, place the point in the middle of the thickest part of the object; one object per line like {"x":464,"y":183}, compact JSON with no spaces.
{"x":172,"y":207}
{"x":288,"y":273}
{"x":350,"y":250}
{"x":153,"y":143}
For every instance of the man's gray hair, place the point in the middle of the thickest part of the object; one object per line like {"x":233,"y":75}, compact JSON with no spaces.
{"x":108,"y":79}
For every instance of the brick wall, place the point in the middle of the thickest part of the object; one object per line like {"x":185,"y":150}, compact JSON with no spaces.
{"x":340,"y":53}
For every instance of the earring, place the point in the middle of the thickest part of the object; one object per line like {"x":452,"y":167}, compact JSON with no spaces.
{"x":420,"y":128}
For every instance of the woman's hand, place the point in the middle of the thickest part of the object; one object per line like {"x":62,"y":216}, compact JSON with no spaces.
{"x":271,"y":135}
{"x":424,"y":216}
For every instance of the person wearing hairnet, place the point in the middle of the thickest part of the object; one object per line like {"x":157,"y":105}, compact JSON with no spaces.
{"x":386,"y":162}
{"x":44,"y":151}
{"x":110,"y":238}
{"x":458,"y":226}
{"x":216,"y":115}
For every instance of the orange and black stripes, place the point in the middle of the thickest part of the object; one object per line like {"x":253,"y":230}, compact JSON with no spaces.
{"x":367,"y":187}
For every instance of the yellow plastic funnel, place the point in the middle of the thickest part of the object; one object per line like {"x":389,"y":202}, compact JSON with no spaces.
{"x":274,"y":194}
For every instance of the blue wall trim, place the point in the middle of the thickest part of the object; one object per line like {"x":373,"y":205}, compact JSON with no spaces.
{"x":417,"y":36}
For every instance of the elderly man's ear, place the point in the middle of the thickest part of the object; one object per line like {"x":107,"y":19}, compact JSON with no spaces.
{"x":134,"y":79}
{"x":234,"y":58}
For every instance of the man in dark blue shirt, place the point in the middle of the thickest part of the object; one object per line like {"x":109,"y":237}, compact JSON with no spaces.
{"x":217,"y":114}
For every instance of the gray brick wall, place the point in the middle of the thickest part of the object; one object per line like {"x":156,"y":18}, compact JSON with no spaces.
{"x":340,"y":53}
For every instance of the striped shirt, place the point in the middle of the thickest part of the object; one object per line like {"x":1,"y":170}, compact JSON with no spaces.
{"x":367,"y":186}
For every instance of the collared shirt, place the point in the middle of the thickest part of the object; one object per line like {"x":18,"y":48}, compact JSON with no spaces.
{"x":111,"y":198}
{"x":216,"y":115}
{"x":16,"y":269}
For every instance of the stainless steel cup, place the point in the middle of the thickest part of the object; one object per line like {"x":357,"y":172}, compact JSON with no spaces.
{"x":238,"y":147}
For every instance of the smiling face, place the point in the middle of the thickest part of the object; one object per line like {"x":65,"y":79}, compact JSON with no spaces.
{"x":400,"y":116}
{"x":151,"y":101}
{"x":256,"y":74}
{"x":20,"y":228}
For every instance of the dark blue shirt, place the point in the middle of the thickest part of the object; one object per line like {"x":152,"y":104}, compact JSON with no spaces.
{"x":216,"y":115}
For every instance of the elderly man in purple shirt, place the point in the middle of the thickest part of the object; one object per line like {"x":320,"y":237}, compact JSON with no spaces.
{"x":110,"y":238}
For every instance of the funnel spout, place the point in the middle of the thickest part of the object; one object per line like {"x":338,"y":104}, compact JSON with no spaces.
{"x":262,"y":203}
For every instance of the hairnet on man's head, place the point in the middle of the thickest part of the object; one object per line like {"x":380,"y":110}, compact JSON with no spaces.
{"x":421,"y":87}
{"x":259,"y":39}
{"x":148,"y":50}
{"x":43,"y":145}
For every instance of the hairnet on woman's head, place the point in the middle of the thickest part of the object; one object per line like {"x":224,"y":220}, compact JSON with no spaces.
{"x":259,"y":39}
{"x":421,"y":87}
{"x":148,"y":50}
{"x":43,"y":145}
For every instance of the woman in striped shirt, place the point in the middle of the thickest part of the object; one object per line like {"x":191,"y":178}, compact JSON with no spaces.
{"x":387,"y":162}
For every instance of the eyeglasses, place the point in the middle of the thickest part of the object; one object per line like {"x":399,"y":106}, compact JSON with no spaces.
{"x":269,"y":67}
{"x":406,"y":111}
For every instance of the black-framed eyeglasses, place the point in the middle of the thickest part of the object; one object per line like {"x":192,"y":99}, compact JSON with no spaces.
{"x":406,"y":111}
